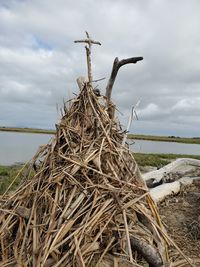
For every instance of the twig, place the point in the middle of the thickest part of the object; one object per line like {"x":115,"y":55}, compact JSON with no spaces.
{"x":101,"y":79}
{"x":128,"y":237}
{"x":133,"y":110}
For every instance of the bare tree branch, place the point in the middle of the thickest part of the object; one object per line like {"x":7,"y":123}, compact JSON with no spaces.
{"x":116,"y":65}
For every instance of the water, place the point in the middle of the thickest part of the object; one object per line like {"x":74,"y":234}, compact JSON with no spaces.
{"x":143,"y":146}
{"x":21,"y":147}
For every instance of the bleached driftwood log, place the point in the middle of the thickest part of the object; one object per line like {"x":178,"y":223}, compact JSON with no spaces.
{"x":182,"y":166}
{"x":159,"y":193}
{"x":181,"y":173}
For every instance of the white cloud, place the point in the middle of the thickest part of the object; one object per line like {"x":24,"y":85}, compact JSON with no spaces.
{"x":39,"y":61}
{"x":187,"y":104}
{"x":149,"y":111}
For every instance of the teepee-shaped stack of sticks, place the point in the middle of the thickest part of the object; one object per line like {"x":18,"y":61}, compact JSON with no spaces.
{"x":83,"y":202}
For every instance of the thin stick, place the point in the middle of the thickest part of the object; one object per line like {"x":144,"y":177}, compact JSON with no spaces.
{"x":129,"y":122}
{"x":128,"y":237}
{"x":79,"y":252}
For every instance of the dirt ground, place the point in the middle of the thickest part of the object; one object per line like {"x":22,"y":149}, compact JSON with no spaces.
{"x":181,"y":216}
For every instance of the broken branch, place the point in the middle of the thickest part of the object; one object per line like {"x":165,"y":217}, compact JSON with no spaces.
{"x":116,"y":65}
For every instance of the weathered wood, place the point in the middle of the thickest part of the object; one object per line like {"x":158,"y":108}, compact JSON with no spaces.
{"x":170,"y":179}
{"x":116,"y":65}
{"x":173,"y":167}
{"x":150,"y":254}
{"x":160,"y":192}
{"x":89,"y":42}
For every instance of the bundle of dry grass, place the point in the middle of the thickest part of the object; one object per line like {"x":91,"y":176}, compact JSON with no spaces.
{"x":83,"y":202}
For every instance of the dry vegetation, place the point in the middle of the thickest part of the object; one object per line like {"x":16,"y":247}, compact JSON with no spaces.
{"x":86,"y":200}
{"x":82,"y":201}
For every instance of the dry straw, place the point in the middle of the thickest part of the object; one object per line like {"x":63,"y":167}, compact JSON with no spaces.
{"x":83,"y":202}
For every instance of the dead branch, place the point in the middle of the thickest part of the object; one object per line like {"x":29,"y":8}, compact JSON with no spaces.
{"x":116,"y":65}
{"x":89,"y":42}
{"x":149,"y":253}
{"x":161,"y":192}
{"x":187,"y":164}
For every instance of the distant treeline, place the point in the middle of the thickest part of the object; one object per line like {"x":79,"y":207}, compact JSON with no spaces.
{"x":178,"y":139}
{"x":26,"y":130}
{"x":172,"y":138}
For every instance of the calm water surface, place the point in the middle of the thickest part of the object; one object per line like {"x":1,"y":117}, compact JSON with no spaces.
{"x":21,"y":147}
{"x":144,"y":146}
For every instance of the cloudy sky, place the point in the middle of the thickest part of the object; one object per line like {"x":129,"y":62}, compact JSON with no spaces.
{"x":39,"y":62}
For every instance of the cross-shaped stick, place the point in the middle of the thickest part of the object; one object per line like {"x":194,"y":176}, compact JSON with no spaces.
{"x":89,"y":42}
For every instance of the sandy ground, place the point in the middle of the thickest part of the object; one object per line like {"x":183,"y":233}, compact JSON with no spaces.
{"x":181,"y":216}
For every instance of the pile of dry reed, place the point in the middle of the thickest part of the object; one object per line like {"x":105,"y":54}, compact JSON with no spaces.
{"x":83,"y":202}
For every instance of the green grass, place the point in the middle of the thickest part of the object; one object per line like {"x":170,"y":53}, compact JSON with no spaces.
{"x":186,"y":140}
{"x":159,"y":160}
{"x":7,"y":174}
{"x":26,"y":130}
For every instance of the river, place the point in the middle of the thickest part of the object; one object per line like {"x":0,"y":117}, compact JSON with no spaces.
{"x":143,"y":146}
{"x":21,"y":147}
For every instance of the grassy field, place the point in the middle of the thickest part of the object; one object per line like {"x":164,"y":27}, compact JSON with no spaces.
{"x":186,"y":140}
{"x":27,"y":130}
{"x":8,"y":173}
{"x":159,"y":160}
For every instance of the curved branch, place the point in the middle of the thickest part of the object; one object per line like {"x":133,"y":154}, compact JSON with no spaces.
{"x":116,"y":65}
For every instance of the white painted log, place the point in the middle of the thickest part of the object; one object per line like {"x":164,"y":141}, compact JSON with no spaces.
{"x":160,"y":192}
{"x":183,"y":165}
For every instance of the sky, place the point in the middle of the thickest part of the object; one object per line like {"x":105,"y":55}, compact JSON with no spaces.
{"x":39,"y":61}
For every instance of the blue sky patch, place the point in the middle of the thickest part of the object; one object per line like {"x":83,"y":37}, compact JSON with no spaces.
{"x":41,"y":44}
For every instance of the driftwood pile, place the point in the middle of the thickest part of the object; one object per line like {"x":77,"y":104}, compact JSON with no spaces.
{"x":83,"y":202}
{"x":172,"y":178}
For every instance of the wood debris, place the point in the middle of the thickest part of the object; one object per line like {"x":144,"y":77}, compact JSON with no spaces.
{"x":85,"y":202}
